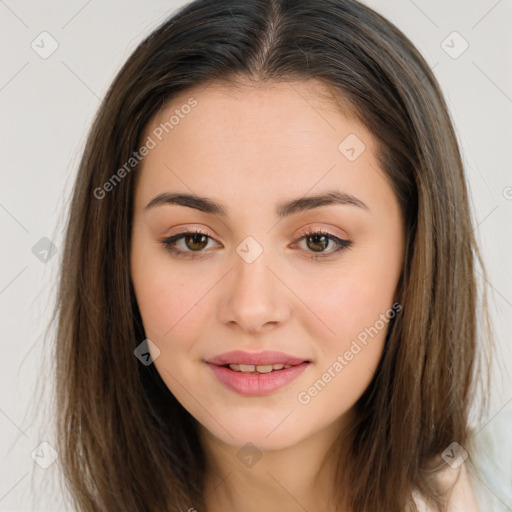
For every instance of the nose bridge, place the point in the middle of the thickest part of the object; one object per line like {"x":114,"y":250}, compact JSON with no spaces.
{"x":254,"y":296}
{"x":254,"y":278}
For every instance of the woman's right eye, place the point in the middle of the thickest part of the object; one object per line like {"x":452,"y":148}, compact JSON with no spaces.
{"x":192,"y":243}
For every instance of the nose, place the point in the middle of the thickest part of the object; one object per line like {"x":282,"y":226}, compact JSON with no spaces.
{"x":254,"y":299}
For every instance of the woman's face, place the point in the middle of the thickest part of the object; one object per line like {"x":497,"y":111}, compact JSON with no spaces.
{"x":271,"y":269}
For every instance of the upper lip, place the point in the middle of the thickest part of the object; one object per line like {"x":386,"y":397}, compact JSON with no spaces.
{"x":255,"y":358}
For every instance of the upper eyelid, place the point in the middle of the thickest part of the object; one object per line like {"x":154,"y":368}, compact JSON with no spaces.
{"x":190,"y":229}
{"x":307,"y":232}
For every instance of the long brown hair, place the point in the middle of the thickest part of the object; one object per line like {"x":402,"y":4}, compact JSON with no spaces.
{"x":124,"y":441}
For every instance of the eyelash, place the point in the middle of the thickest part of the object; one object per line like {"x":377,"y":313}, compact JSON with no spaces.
{"x":169,"y":244}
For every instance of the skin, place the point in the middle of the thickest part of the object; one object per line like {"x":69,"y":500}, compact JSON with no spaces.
{"x":252,"y":148}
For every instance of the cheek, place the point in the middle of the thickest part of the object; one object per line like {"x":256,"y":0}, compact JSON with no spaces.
{"x":169,"y":317}
{"x":348,"y":359}
{"x":354,"y":305}
{"x":357,"y":307}
{"x":169,"y":314}
{"x":165,"y":298}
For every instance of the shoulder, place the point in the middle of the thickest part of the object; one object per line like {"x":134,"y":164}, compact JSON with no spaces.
{"x":461,"y":498}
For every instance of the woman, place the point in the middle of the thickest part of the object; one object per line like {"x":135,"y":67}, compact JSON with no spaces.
{"x":268,"y":297}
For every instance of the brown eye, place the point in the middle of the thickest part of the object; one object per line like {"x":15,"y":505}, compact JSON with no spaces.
{"x":317,"y":242}
{"x":196,"y":241}
{"x":188,"y":244}
{"x":323,"y":244}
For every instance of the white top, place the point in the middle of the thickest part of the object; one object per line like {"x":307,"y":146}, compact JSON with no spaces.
{"x":485,"y":482}
{"x":493,"y":464}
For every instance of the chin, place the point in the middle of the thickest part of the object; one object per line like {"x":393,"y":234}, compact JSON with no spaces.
{"x":265,"y":436}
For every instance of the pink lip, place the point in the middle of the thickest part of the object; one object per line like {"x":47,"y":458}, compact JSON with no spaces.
{"x":256,"y":358}
{"x":255,"y":384}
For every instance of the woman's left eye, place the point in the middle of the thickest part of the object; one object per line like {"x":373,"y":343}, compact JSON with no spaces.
{"x":193,"y":243}
{"x":320,"y":240}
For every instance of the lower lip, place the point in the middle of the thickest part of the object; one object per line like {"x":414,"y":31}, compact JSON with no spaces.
{"x":256,"y":384}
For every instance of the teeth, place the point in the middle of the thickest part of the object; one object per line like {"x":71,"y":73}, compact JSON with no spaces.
{"x":261,"y":368}
{"x":247,"y":367}
{"x":264,"y":368}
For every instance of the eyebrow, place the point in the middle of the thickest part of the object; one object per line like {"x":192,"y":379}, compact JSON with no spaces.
{"x":285,"y":209}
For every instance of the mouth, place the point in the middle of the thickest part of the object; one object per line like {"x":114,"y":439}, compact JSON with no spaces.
{"x":260,"y":368}
{"x":261,"y":362}
{"x":256,"y":373}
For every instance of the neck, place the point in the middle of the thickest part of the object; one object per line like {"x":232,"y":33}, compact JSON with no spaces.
{"x":295,"y":478}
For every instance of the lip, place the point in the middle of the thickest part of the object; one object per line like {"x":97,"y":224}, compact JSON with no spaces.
{"x":256,"y":358}
{"x":256,"y":384}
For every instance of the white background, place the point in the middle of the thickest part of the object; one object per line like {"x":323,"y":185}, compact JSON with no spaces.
{"x":46,"y":109}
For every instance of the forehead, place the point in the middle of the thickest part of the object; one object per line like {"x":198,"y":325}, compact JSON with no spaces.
{"x":251,"y":136}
